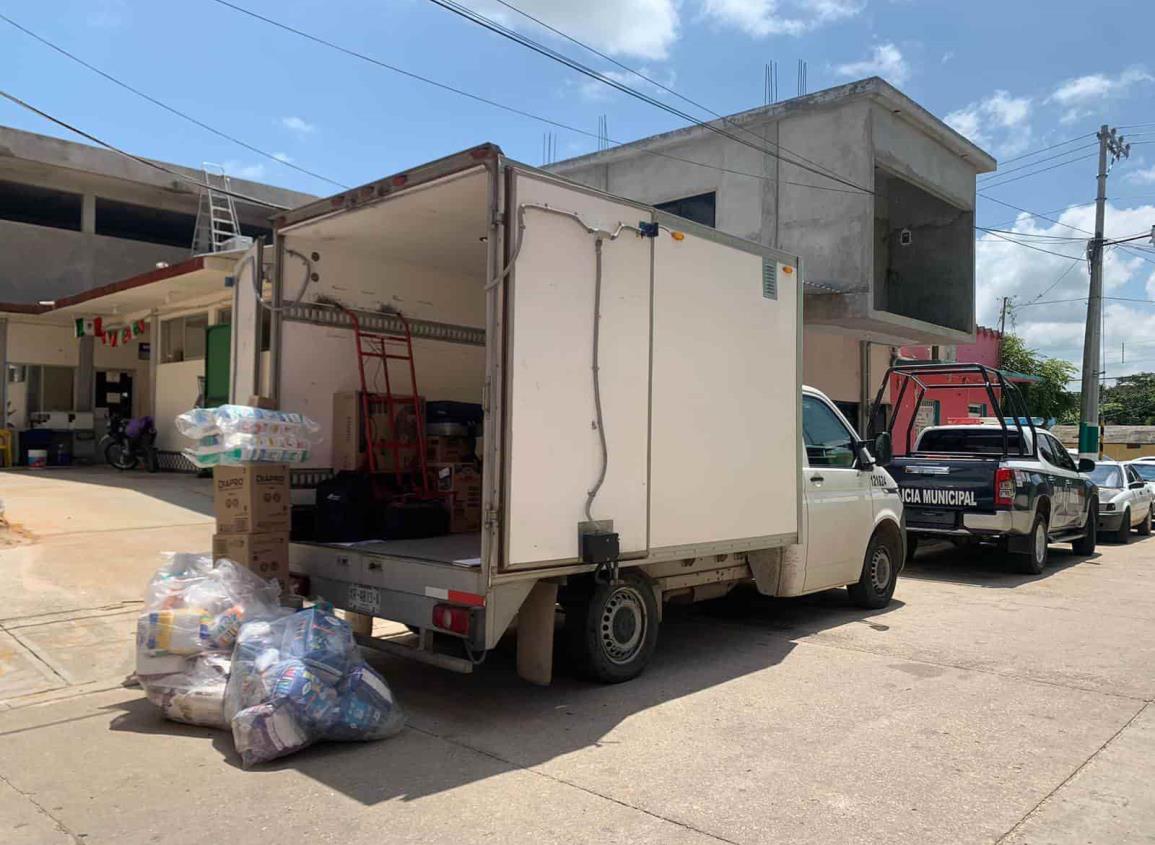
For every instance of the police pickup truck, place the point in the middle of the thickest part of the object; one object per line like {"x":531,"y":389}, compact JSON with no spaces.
{"x":1001,"y":480}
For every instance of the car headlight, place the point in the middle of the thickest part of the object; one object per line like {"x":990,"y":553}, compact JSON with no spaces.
{"x":1108,"y":506}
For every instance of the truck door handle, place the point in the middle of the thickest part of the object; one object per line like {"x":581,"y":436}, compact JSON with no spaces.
{"x":817,"y":479}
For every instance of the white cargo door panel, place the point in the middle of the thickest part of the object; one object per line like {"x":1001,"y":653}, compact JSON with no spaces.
{"x":554,"y":455}
{"x":245,"y":372}
{"x":725,"y":447}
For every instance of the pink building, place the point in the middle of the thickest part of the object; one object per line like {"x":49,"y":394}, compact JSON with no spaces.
{"x":942,"y":406}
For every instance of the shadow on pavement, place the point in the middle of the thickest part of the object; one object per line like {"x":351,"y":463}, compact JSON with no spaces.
{"x":984,"y":566}
{"x":466,"y":728}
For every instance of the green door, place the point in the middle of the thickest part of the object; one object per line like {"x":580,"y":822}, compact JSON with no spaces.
{"x":217,"y":349}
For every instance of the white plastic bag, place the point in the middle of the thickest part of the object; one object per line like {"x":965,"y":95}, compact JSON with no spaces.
{"x":231,"y":434}
{"x":193,"y":613}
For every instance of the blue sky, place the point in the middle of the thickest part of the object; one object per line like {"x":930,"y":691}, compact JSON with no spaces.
{"x":1015,"y":77}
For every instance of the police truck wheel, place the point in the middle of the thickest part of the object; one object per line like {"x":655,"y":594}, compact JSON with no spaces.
{"x":1035,"y":560}
{"x":1145,"y":525}
{"x":1085,"y":545}
{"x":879,"y":573}
{"x":1123,"y":535}
{"x":613,"y":633}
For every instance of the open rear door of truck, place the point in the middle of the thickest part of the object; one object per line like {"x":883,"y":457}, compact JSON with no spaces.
{"x":553,"y":450}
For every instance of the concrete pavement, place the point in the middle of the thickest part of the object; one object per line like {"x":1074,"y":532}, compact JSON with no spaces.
{"x":982,"y":706}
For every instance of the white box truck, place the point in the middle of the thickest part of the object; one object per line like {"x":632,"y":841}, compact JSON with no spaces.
{"x":647,"y":437}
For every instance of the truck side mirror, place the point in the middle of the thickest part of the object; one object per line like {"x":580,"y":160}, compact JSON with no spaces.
{"x":883,"y":448}
{"x":866,"y":461}
{"x":1086,"y":465}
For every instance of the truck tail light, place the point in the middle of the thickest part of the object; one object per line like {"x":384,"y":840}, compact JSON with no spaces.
{"x":449,"y":617}
{"x":1004,"y":487}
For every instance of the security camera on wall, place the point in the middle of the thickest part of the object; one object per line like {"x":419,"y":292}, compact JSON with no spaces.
{"x":904,"y":237}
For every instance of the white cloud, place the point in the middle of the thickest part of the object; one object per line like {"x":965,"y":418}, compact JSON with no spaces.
{"x":1073,"y":115}
{"x":298,"y":124}
{"x":947,"y":56}
{"x":1144,"y":176}
{"x":1056,"y":329}
{"x":285,"y":157}
{"x":642,"y":28}
{"x":885,"y":60}
{"x":1086,"y":90}
{"x":999,"y":122}
{"x":762,"y":18}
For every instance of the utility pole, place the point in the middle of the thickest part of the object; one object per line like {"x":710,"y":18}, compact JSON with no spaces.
{"x":1110,"y":145}
{"x":1003,"y":317}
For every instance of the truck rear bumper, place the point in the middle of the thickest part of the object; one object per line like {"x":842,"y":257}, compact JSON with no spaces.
{"x":979,"y":524}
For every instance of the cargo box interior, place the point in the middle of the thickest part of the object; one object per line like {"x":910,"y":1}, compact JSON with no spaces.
{"x":421,"y":253}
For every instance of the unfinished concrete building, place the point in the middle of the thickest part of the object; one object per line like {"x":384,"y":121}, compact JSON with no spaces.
{"x":888,"y":245}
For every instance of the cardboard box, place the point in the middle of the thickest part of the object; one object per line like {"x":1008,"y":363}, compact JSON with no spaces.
{"x":349,"y":447}
{"x":448,"y":450}
{"x":251,"y":498}
{"x":461,"y":485}
{"x":265,"y":554}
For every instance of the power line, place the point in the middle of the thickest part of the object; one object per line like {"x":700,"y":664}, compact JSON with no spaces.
{"x":996,"y":175}
{"x":137,"y":158}
{"x":1028,"y":246}
{"x":1030,"y":234}
{"x":1074,"y":263}
{"x":166,"y":106}
{"x":1037,"y":172}
{"x":573,"y":64}
{"x":507,"y":108}
{"x":1051,"y":147}
{"x":656,"y":83}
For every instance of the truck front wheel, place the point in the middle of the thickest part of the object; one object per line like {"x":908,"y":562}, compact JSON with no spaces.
{"x":879,"y":572}
{"x":613,"y":632}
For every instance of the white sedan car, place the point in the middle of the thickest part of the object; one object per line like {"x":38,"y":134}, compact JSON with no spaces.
{"x":1125,"y":500}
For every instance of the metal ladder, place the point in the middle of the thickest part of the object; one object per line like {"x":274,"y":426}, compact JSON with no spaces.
{"x":217,"y":226}
{"x":373,"y":346}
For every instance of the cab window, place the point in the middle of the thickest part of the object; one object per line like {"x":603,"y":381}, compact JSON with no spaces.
{"x":829,"y":443}
{"x":1047,"y":450}
{"x":1063,"y":458}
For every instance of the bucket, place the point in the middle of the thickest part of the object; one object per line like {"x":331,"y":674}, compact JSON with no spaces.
{"x":37,"y":458}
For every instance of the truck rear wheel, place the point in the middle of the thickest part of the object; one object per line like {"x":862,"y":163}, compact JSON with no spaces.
{"x":1034,"y":561}
{"x":879,"y":572}
{"x":1085,"y":545}
{"x":613,"y":632}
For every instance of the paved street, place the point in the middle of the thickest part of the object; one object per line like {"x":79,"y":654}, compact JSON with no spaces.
{"x":981,"y":706}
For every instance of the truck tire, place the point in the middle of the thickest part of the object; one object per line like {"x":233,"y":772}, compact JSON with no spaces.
{"x":879,"y":573}
{"x":1034,"y":561}
{"x":613,"y":631}
{"x":1085,"y":545}
{"x":1145,"y":525}
{"x":1123,"y":535}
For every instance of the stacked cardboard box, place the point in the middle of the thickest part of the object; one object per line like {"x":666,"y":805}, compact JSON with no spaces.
{"x":461,"y":485}
{"x":252,"y":507}
{"x":350,"y":449}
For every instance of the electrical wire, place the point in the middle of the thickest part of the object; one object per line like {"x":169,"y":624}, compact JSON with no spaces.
{"x":166,"y":106}
{"x":1028,"y":246}
{"x":537,"y":47}
{"x":1051,"y":147}
{"x":987,"y":185}
{"x":1031,"y":234}
{"x":989,"y":177}
{"x":1074,"y":263}
{"x":507,"y":108}
{"x":138,"y":159}
{"x":646,"y":78}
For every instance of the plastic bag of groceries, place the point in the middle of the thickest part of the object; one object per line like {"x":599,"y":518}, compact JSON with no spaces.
{"x":194,"y":609}
{"x":235,"y":434}
{"x":301,"y":679}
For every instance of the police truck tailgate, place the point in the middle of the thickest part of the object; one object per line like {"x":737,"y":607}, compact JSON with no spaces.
{"x":936,"y":490}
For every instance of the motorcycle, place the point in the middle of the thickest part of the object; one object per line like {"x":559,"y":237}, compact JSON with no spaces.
{"x":128,"y":442}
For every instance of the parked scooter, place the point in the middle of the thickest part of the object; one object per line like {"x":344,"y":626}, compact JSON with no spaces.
{"x":129,"y":442}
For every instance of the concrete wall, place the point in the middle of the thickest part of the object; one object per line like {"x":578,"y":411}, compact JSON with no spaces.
{"x":43,"y":262}
{"x":830,"y":225}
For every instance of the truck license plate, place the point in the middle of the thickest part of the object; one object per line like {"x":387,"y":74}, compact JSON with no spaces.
{"x":363,"y":599}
